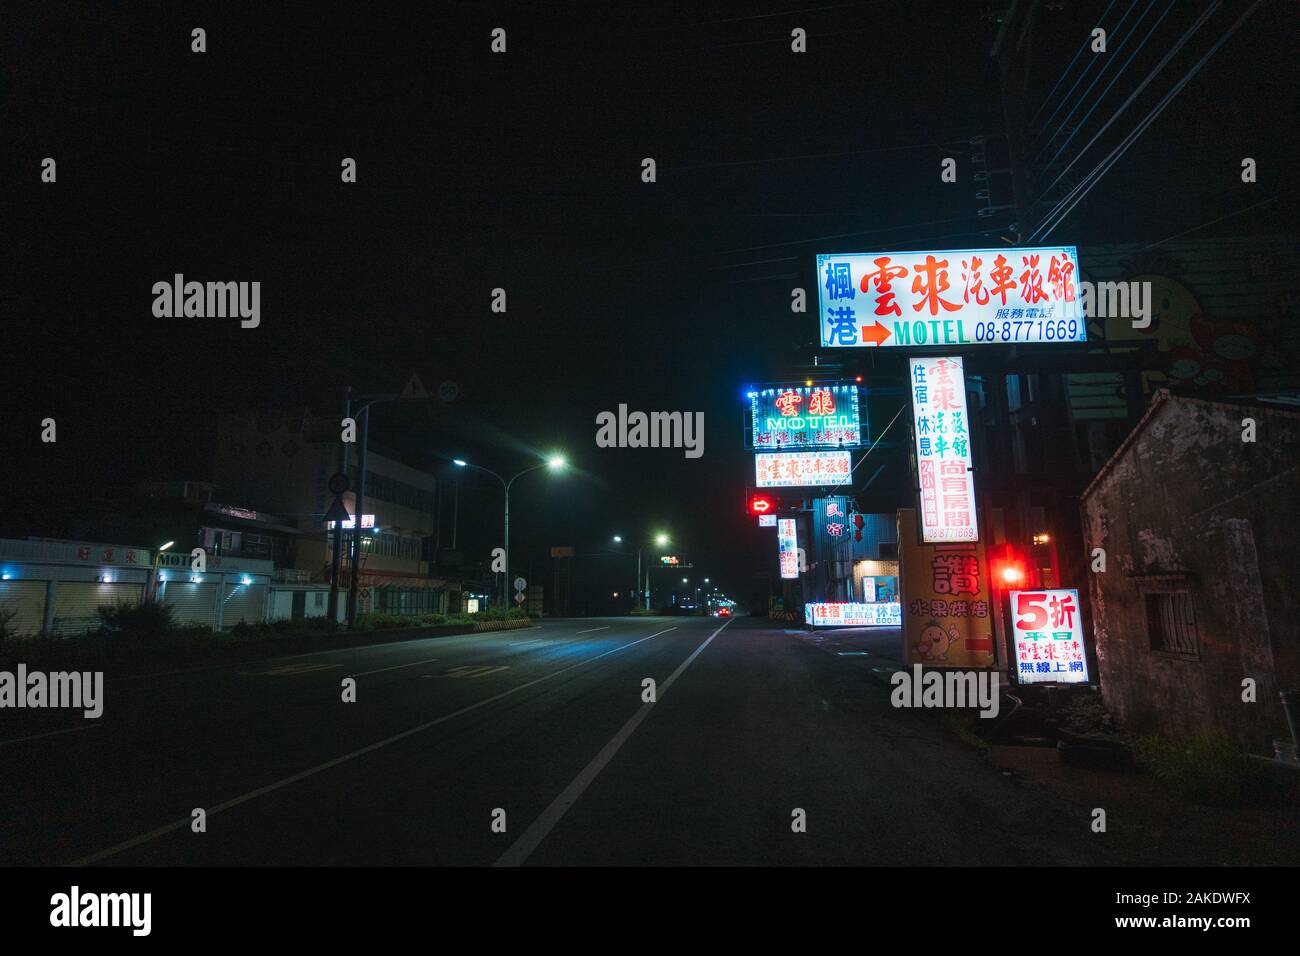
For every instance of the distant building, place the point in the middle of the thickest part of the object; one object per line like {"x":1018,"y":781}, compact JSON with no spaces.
{"x":282,"y":463}
{"x":1200,"y":589}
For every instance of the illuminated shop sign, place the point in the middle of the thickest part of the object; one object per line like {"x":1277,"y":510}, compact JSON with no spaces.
{"x":1048,"y":635}
{"x":854,"y":615}
{"x":943,"y":460}
{"x":787,"y":543}
{"x":767,"y":521}
{"x":795,"y":417}
{"x":367,"y":521}
{"x":791,"y":469}
{"x":955,"y":297}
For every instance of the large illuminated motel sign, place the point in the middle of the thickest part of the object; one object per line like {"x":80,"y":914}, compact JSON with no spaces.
{"x":795,"y":417}
{"x":943,"y":459}
{"x":950,"y":298}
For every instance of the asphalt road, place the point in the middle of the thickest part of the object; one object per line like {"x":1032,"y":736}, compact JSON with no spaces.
{"x":547,"y":724}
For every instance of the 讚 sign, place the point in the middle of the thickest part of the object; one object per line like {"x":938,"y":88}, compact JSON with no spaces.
{"x":956,"y":297}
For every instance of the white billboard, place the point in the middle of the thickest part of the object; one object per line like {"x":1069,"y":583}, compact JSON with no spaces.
{"x":794,"y":468}
{"x":1048,"y":635}
{"x":841,"y":614}
{"x":955,"y":297}
{"x":943,"y":460}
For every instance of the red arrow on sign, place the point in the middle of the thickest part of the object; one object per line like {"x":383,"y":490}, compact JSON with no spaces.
{"x":875,"y":334}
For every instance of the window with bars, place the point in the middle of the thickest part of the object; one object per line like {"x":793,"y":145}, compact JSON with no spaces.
{"x":1171,"y":622}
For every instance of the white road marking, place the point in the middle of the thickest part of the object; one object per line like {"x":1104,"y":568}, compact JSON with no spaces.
{"x":51,"y":733}
{"x":590,"y":629}
{"x":380,"y":670}
{"x":522,"y":848}
{"x":330,"y":764}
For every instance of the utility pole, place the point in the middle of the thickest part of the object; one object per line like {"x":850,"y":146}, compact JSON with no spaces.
{"x":1010,"y":54}
{"x":337,"y":566}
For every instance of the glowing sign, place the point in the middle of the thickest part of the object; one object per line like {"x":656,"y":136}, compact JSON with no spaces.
{"x":795,"y":417}
{"x":670,"y":559}
{"x":948,"y":619}
{"x":853,"y":615}
{"x":787,"y":543}
{"x":958,"y":297}
{"x":943,"y":462}
{"x":367,"y":521}
{"x":789,"y":469}
{"x":767,"y":521}
{"x":1048,"y":635}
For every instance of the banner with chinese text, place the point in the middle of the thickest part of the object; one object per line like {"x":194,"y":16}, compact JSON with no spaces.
{"x":947,"y":614}
{"x":956,"y":297}
{"x":1048,"y":635}
{"x":791,"y":469}
{"x":943,"y":460}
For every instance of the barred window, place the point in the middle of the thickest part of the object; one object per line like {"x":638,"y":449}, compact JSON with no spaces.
{"x":1171,"y":622}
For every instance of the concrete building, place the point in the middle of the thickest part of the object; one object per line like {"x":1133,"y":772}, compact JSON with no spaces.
{"x":281,"y":463}
{"x":1200,"y":589}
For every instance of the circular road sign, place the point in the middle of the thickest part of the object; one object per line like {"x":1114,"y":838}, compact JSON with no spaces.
{"x":338,"y":483}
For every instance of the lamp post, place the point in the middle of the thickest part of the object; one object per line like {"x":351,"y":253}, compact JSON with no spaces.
{"x":554,"y":463}
{"x":157,"y":562}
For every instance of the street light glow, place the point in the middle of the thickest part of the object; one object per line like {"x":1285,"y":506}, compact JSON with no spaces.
{"x":556,"y":463}
{"x":618,"y":539}
{"x":167,"y":545}
{"x":661,"y":538}
{"x":459,"y":461}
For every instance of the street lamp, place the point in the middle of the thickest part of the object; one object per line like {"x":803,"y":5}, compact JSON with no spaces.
{"x":660,"y":539}
{"x":554,"y":463}
{"x":157,"y":561}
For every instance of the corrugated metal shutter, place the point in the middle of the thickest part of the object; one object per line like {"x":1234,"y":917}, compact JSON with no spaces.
{"x":194,"y":603}
{"x":243,"y":601}
{"x":76,"y":602}
{"x":27,"y":600}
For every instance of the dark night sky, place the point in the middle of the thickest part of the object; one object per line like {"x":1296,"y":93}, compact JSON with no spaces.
{"x":522,"y":171}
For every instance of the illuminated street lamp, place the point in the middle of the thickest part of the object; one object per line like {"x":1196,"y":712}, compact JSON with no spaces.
{"x":660,"y":539}
{"x":157,"y":562}
{"x":555,"y":462}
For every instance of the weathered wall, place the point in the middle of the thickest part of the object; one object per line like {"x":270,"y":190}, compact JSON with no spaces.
{"x":1189,"y":497}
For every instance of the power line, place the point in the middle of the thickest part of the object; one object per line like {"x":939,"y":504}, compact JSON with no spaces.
{"x":1218,"y":219}
{"x":1109,"y":86}
{"x":1173,"y":51}
{"x":1115,"y":154}
{"x":1069,"y":66}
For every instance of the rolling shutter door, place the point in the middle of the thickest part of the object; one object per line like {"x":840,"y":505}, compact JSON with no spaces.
{"x":193,"y":603}
{"x":76,"y":603}
{"x":27,"y":600}
{"x":243,"y":601}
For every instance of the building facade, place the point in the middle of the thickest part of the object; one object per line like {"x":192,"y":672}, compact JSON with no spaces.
{"x":1196,"y":514}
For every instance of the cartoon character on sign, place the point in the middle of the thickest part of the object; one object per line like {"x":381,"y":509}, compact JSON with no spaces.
{"x":934,"y":642}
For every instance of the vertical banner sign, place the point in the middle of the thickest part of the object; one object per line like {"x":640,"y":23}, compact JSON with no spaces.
{"x":1048,"y":637}
{"x":943,"y":461}
{"x":947,"y":615}
{"x":835,"y":542}
{"x":787,"y":545}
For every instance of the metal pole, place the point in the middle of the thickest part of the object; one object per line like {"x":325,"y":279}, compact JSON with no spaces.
{"x":337,"y":566}
{"x":360,"y":507}
{"x":455,"y":514}
{"x":636,"y":601}
{"x":505,"y":581}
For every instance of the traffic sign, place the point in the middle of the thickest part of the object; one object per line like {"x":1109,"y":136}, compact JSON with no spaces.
{"x":337,"y":511}
{"x":520,"y":584}
{"x":519,"y":597}
{"x":339,"y":483}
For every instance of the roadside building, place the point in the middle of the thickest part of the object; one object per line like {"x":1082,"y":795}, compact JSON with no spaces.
{"x":282,"y":463}
{"x":1199,"y":592}
{"x":55,"y":587}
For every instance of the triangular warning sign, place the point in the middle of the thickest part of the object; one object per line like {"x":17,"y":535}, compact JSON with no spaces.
{"x":414,"y":389}
{"x":337,"y":511}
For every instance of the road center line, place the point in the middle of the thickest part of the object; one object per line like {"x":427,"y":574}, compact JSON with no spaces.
{"x":590,"y":629}
{"x":522,"y":848}
{"x":50,"y":733}
{"x":329,"y":764}
{"x":380,"y":670}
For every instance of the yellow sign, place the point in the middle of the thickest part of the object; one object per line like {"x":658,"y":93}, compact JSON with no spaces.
{"x":947,"y":614}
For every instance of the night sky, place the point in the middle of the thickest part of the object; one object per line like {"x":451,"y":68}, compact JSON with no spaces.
{"x":522,"y":171}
